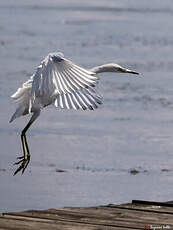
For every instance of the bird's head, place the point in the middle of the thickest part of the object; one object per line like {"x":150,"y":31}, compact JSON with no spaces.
{"x":112,"y":67}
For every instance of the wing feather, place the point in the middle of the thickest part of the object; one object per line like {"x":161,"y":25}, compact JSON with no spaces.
{"x":59,"y":81}
{"x":57,"y":86}
{"x":91,"y":103}
{"x":71,"y":101}
{"x":65,"y":86}
{"x":81,"y":101}
{"x":76,"y":101}
{"x":72,"y":82}
{"x":66,"y":101}
{"x":61,"y":101}
{"x":80,"y":78}
{"x":69,"y":86}
{"x":77,"y":80}
{"x":84,"y":75}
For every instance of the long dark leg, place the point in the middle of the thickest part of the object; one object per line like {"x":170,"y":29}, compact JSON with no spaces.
{"x":25,"y":159}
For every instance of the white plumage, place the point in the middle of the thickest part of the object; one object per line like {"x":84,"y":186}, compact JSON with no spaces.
{"x":60,"y":82}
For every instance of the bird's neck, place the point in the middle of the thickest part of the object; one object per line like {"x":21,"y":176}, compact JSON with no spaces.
{"x":103,"y":68}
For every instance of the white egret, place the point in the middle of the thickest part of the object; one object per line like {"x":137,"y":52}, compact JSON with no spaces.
{"x":60,"y":82}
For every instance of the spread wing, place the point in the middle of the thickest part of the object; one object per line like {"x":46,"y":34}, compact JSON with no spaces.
{"x":59,"y":81}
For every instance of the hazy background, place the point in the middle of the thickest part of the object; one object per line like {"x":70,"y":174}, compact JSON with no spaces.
{"x":96,"y":150}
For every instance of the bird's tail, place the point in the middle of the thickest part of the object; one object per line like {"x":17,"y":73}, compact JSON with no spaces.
{"x":22,"y":97}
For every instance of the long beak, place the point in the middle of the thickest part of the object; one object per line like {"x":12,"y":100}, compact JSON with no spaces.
{"x":130,"y":71}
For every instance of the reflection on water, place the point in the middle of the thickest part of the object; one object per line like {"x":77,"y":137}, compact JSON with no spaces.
{"x":120,"y":152}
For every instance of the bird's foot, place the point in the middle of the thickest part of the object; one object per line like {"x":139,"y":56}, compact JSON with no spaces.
{"x":24,"y":161}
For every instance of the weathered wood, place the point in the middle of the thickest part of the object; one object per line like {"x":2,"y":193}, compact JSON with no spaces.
{"x":31,"y":224}
{"x":112,"y":217}
{"x":145,"y":208}
{"x":122,"y":214}
{"x":162,"y":204}
{"x":88,"y":222}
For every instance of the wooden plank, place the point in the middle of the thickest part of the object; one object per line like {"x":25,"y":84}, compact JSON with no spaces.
{"x":145,"y":208}
{"x":83,"y":221}
{"x":112,"y":217}
{"x":121,"y":214}
{"x":153,"y":203}
{"x":30,"y":224}
{"x":106,"y":217}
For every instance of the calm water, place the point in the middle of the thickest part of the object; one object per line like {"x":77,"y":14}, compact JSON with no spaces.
{"x":96,"y":150}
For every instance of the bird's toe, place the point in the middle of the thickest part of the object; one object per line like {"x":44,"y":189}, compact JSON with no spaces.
{"x":24,"y":163}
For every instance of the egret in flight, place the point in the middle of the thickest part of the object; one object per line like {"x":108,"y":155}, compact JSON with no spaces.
{"x":60,"y":82}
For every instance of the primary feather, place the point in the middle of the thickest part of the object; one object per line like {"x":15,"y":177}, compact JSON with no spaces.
{"x":58,"y":81}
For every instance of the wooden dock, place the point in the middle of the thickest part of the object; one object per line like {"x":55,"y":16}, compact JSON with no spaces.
{"x":136,"y":215}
